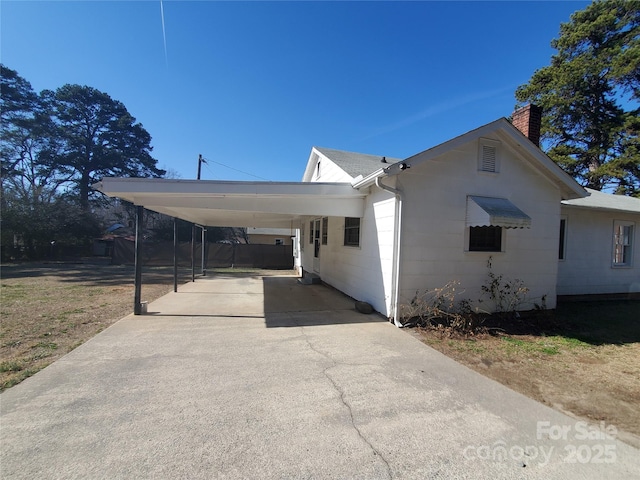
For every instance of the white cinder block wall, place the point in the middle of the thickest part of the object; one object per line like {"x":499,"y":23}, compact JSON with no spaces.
{"x":588,"y":265}
{"x":435,"y":236}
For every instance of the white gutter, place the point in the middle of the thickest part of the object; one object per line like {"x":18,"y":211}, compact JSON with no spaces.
{"x":360,"y":182}
{"x":397,"y":230}
{"x":393,"y":169}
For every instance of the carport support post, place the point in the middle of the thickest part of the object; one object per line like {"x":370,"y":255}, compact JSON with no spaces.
{"x":193,"y":252}
{"x":137,"y":305}
{"x":175,"y":254}
{"x":204,"y":258}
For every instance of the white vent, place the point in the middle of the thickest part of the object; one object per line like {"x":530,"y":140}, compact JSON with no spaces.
{"x":488,"y":161}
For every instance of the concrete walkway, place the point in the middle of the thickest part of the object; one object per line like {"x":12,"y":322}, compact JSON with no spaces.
{"x":263,"y":378}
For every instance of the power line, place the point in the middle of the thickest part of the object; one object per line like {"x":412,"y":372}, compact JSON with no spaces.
{"x":206,"y":165}
{"x":240,"y":171}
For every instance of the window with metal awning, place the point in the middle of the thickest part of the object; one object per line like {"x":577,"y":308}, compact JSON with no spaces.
{"x":495,"y":212}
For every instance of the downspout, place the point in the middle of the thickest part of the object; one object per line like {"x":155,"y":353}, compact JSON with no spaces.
{"x":395,"y":272}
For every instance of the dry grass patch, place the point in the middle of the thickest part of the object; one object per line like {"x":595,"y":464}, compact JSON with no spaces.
{"x":49,"y":309}
{"x":584,"y":360}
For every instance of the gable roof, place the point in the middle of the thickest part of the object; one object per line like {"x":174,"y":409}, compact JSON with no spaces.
{"x":354,"y":163}
{"x":507,"y":133}
{"x":605,"y":201}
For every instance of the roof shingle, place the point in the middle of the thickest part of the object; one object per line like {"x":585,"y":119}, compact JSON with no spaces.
{"x":355,"y":163}
{"x":606,"y":201}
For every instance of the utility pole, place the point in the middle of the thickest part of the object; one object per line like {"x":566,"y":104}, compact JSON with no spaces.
{"x":200,"y":161}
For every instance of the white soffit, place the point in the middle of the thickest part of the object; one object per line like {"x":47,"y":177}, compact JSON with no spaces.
{"x":495,"y":212}
{"x":237,"y":204}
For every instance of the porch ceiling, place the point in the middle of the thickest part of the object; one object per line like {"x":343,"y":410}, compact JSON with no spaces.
{"x":237,"y":204}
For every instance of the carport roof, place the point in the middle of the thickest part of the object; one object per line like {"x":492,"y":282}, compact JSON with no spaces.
{"x":237,"y":204}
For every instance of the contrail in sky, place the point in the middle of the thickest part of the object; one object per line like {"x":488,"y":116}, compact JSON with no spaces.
{"x":439,"y":108}
{"x":164,"y":35}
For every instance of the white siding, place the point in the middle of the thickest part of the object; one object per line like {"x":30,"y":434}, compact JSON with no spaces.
{"x":364,"y":272}
{"x":329,"y":172}
{"x":435,"y":236}
{"x":587,"y":268}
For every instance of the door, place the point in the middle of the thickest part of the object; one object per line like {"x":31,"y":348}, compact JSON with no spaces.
{"x":316,"y":245}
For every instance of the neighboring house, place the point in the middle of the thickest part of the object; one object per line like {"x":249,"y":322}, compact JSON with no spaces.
{"x":271,"y":236}
{"x":599,"y":248}
{"x":381,"y":229}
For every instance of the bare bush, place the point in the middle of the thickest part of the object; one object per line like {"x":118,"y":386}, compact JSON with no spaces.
{"x":441,"y":307}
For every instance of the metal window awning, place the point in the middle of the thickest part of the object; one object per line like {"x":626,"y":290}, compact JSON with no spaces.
{"x":495,"y":212}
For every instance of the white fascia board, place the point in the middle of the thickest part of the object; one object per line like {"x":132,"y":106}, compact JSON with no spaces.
{"x":309,"y":169}
{"x":128,"y":187}
{"x":311,"y":205}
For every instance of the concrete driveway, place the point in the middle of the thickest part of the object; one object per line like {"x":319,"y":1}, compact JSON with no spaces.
{"x":243,"y":377}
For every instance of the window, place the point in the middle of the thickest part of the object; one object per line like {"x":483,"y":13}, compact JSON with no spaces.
{"x":352,"y":232}
{"x":622,"y":243}
{"x":279,"y":241}
{"x":316,"y":239}
{"x":563,"y":239}
{"x":311,"y":232}
{"x":485,"y":239}
{"x":488,"y":160}
{"x":325,"y":227}
{"x":302,"y":236}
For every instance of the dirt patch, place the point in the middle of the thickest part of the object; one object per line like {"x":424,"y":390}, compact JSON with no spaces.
{"x":584,"y":361}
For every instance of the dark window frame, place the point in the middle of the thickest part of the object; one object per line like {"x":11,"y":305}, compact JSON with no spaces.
{"x":325,"y":230}
{"x":562,"y":249}
{"x":352,"y":231}
{"x":485,"y":239}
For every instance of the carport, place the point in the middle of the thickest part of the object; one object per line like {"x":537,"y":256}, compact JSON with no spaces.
{"x":229,"y":204}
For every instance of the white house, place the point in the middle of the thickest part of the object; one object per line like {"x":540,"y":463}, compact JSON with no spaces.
{"x":438,"y":216}
{"x":599,"y":250}
{"x":379,"y":228}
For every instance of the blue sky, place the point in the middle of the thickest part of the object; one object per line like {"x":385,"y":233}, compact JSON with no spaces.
{"x":254,"y":85}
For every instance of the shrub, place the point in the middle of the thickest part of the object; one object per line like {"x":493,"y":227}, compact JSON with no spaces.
{"x":506,"y":295}
{"x":440,"y":307}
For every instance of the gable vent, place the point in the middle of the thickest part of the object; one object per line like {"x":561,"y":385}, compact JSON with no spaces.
{"x":488,"y":161}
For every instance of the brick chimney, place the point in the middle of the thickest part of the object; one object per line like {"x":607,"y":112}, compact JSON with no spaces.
{"x":528,"y":120}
